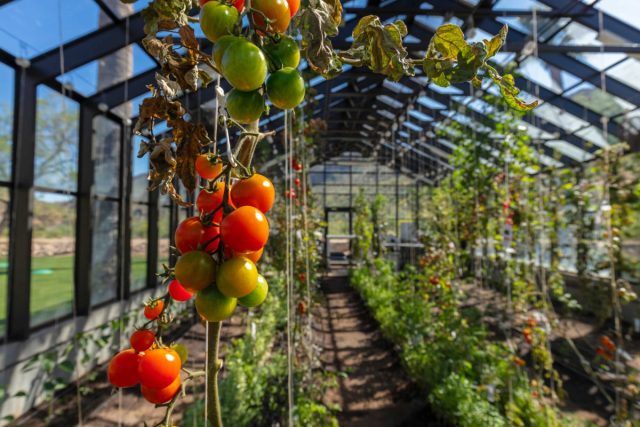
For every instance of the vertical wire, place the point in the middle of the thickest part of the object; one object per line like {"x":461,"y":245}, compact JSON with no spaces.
{"x":289,"y":262}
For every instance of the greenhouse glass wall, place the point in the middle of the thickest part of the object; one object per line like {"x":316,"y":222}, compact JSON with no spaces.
{"x":319,"y":213}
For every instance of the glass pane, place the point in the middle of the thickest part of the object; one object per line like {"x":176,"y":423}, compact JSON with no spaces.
{"x":164,"y":227}
{"x":32,"y":27}
{"x":104,"y":254}
{"x":338,"y":223}
{"x":52,"y":252}
{"x":108,"y":71}
{"x":56,"y":162}
{"x":4,"y":256}
{"x":106,"y":155}
{"x":139,"y":243}
{"x":6,"y":121}
{"x":140,"y":170}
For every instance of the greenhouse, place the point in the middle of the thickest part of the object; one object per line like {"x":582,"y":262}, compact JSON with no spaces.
{"x":320,"y":213}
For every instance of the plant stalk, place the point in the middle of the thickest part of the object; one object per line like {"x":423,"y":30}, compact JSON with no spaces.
{"x":214,"y":365}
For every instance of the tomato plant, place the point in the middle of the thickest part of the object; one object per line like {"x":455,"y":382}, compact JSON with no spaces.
{"x":178,"y":292}
{"x":195,"y":270}
{"x":208,"y":166}
{"x":213,"y":306}
{"x":217,"y":20}
{"x":276,"y":11}
{"x":256,"y":191}
{"x":153,"y":309}
{"x":142,"y":339}
{"x":158,"y":368}
{"x":159,"y":396}
{"x":258,"y":295}
{"x":245,"y":230}
{"x":123,"y":369}
{"x":237,"y":277}
{"x":286,"y":88}
{"x":244,"y":65}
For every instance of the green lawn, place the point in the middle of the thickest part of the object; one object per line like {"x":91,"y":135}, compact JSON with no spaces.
{"x":52,"y":287}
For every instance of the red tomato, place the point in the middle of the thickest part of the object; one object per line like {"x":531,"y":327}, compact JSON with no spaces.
{"x":296,"y":182}
{"x":256,"y":191}
{"x":153,"y":309}
{"x":142,"y":340}
{"x":208,"y":201}
{"x":245,"y":230}
{"x":123,"y":369}
{"x":162,"y":395}
{"x":208,"y":166}
{"x":290,"y":194}
{"x":158,"y":368}
{"x":302,"y":307}
{"x":294,"y":6}
{"x":178,"y":292}
{"x":188,"y":234}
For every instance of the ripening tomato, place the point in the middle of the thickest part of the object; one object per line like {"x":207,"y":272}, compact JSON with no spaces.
{"x":296,"y":182}
{"x":178,"y":292}
{"x":237,"y":277}
{"x":296,"y":165}
{"x":158,"y":396}
{"x":220,"y":47}
{"x":159,"y":367}
{"x":195,"y":270}
{"x":153,"y":309}
{"x":208,"y":166}
{"x":245,"y":230}
{"x":217,"y":20}
{"x":285,"y":88}
{"x":277,"y":11}
{"x":142,"y":340}
{"x":210,"y":239}
{"x":290,"y":194}
{"x":294,"y":7}
{"x":258,"y":295}
{"x":213,"y":306}
{"x":244,"y":66}
{"x":123,"y":369}
{"x":256,"y":191}
{"x":238,"y":4}
{"x":302,"y":307}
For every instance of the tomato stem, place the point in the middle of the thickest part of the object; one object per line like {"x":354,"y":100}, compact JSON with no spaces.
{"x":214,"y":365}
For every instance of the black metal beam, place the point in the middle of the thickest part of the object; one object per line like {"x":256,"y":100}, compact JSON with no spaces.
{"x":84,"y":226}
{"x":89,"y":48}
{"x":24,"y":150}
{"x":460,"y":12}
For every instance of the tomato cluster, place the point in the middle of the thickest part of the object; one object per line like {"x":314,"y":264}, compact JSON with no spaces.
{"x":268,"y":67}
{"x":147,"y":363}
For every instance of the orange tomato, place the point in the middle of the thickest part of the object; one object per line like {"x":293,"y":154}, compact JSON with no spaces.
{"x":158,"y":396}
{"x":256,"y":191}
{"x":153,"y":309}
{"x":277,"y":11}
{"x":159,"y":368}
{"x":294,"y":6}
{"x":208,"y":166}
{"x":245,"y":230}
{"x":123,"y":369}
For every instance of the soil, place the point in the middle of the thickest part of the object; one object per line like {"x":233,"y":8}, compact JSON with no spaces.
{"x":373,"y":389}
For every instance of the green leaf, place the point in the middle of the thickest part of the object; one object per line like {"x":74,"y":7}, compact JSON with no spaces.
{"x":379,"y":47}
{"x":509,"y":91}
{"x":317,"y":22}
{"x":20,"y":394}
{"x":447,"y":42}
{"x":495,"y":44}
{"x":67,"y":366}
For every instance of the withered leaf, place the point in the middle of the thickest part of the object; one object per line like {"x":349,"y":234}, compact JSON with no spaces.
{"x":318,"y":22}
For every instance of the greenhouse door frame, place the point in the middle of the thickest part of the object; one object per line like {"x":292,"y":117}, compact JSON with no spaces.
{"x":327,"y":237}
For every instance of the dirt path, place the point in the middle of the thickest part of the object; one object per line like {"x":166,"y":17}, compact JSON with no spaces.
{"x":374,"y":391}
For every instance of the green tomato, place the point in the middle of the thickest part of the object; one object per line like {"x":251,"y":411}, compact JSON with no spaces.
{"x":213,"y":306}
{"x":244,"y":66}
{"x":258,"y":295}
{"x":182,"y":351}
{"x":283,"y":53}
{"x":221,"y":47}
{"x":217,"y":20}
{"x":286,"y":88}
{"x":245,"y":107}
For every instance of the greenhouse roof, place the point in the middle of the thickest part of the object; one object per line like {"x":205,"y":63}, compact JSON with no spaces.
{"x":583,"y":70}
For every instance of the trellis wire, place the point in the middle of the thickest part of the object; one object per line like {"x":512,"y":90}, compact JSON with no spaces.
{"x":289,"y":263}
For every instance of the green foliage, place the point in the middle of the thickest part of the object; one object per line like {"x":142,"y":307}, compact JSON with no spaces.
{"x":363,"y":228}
